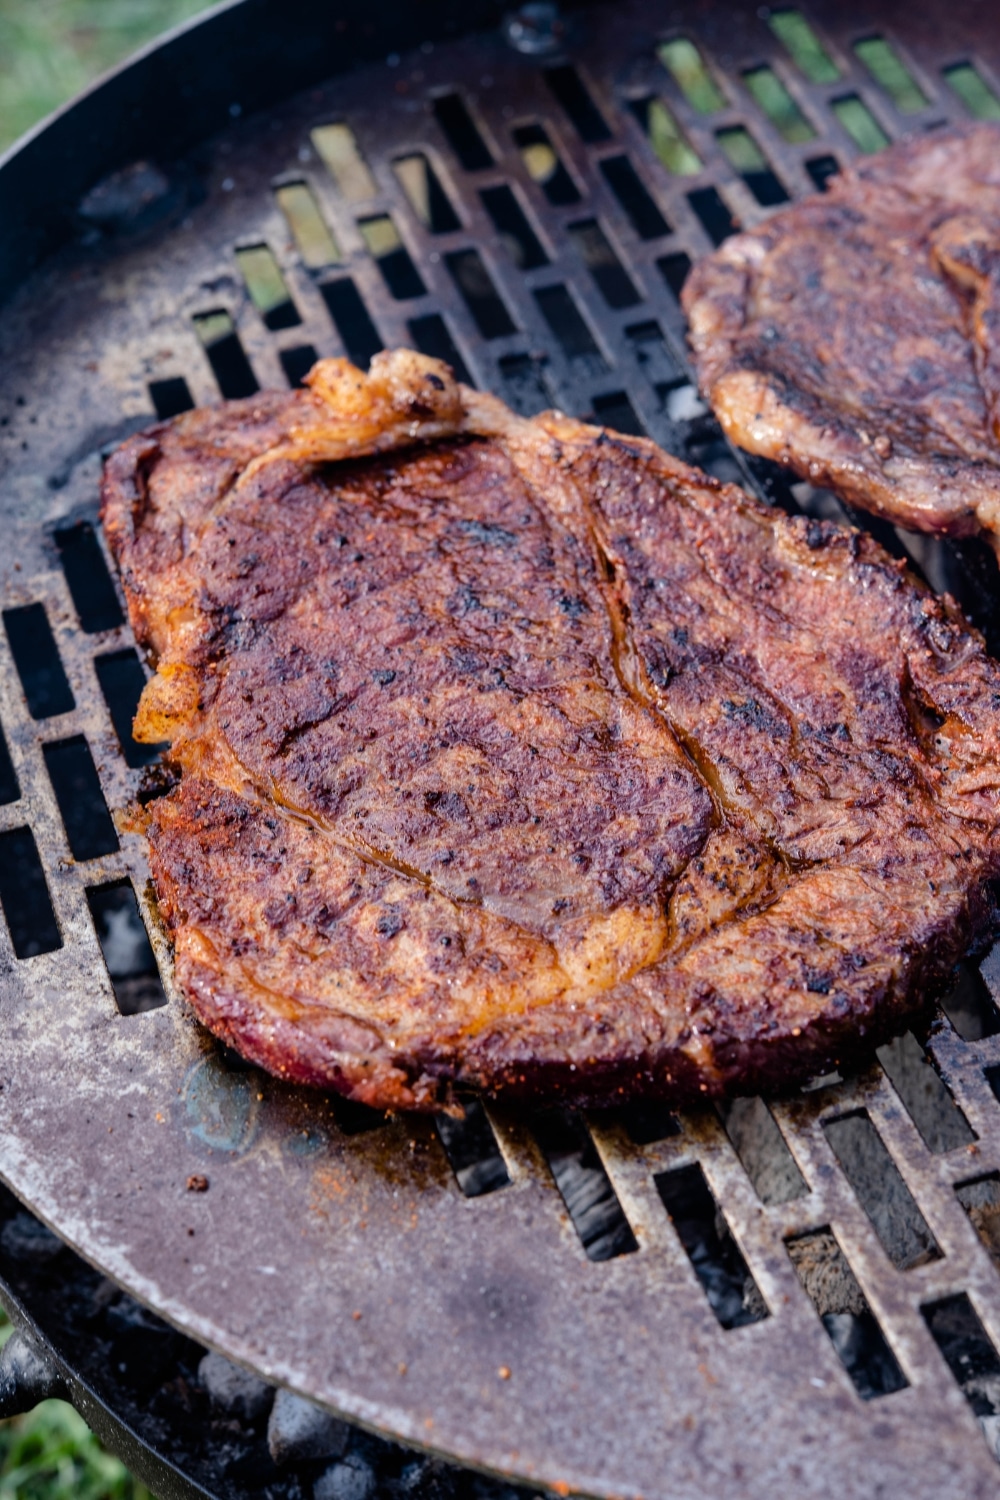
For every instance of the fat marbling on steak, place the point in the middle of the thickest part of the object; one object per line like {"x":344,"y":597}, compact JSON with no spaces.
{"x":854,"y":335}
{"x":516,"y":755}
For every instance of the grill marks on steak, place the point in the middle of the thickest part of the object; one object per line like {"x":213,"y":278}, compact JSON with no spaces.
{"x":530,"y":759}
{"x":854,"y":335}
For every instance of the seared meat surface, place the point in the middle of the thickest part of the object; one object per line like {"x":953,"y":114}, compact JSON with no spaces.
{"x":516,"y":755}
{"x":853,"y":336}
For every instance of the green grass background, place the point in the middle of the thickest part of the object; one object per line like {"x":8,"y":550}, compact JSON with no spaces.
{"x":49,"y":50}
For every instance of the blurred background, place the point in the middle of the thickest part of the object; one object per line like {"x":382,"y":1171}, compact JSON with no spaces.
{"x":49,"y":50}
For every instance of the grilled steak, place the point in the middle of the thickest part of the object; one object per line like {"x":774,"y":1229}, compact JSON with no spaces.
{"x":517,"y":755}
{"x":853,"y":336}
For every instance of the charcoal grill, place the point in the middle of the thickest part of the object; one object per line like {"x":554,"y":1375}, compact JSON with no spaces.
{"x":798,"y":1296}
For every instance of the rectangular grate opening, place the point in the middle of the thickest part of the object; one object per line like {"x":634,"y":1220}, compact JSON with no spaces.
{"x":77,"y":788}
{"x":891,"y":74}
{"x":881,"y":1191}
{"x":126,"y":947}
{"x":297,"y":363}
{"x":574,"y":96}
{"x":170,"y":397}
{"x":651,"y":353}
{"x":674,"y":270}
{"x":745,"y":156}
{"x":833,"y":1290}
{"x":392,"y":257}
{"x":24,"y":896}
{"x":992,"y":1076}
{"x":567,"y":323}
{"x":425,"y":194}
{"x":715,"y":218}
{"x":701,"y":1226}
{"x":633,"y":195}
{"x":471,"y":1148}
{"x":821,"y":169}
{"x":615,"y":410}
{"x":803,"y":46}
{"x":859,"y":122}
{"x":925,"y":1095}
{"x":225,"y":354}
{"x":524,"y":384}
{"x":339,"y":152}
{"x":544,"y":166}
{"x":968,"y":1352}
{"x":122,"y":680}
{"x":431,"y":335}
{"x":980,"y":1197}
{"x":670,"y":145}
{"x":511,"y":223}
{"x":10,"y":789}
{"x":88,"y":579}
{"x":682,"y":58}
{"x":965,"y":80}
{"x":773,"y":99}
{"x":314,"y":241}
{"x":36,"y":657}
{"x":462,"y":132}
{"x":971,"y":1003}
{"x":761,"y":1148}
{"x":352,"y":321}
{"x":597,"y":253}
{"x":647,"y":1121}
{"x":585,"y":1186}
{"x":266,"y":285}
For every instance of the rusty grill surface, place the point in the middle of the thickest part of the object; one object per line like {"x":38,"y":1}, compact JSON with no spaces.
{"x":798,"y":1296}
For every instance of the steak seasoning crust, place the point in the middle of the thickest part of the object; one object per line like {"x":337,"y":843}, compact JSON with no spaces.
{"x":515,"y":755}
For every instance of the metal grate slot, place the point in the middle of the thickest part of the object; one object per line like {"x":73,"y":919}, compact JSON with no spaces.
{"x":972,"y":1001}
{"x":821,"y":169}
{"x":77,"y":788}
{"x":571,"y":92}
{"x":803,"y":46}
{"x":10,"y":789}
{"x":586,"y":1189}
{"x":682,"y":58}
{"x":338,"y":150}
{"x":225,"y":354}
{"x":392,"y":257}
{"x":88,"y":579}
{"x":859,"y":122}
{"x":701,"y":1226}
{"x":928,"y":1103}
{"x":969,"y":1354}
{"x":316,"y":245}
{"x":980,"y":1197}
{"x":170,"y":397}
{"x":297,"y":363}
{"x":511,"y":223}
{"x":122,"y":680}
{"x":427,"y":197}
{"x":992,"y":1076}
{"x":833,"y":1290}
{"x":975,"y":93}
{"x":616,"y":410}
{"x":524,"y":384}
{"x":772,"y":98}
{"x":674,"y":270}
{"x":126,"y":948}
{"x":462,"y":132}
{"x":647,"y":1121}
{"x":761,"y":1148}
{"x":353,"y":1118}
{"x":557,"y":307}
{"x":431,"y":335}
{"x":479,"y":294}
{"x":743,"y":153}
{"x":352,"y":321}
{"x":36,"y":657}
{"x":715,"y":218}
{"x":881,"y":1191}
{"x":651,"y":353}
{"x":544,"y":166}
{"x":267,"y":288}
{"x":891,"y":74}
{"x":24,"y":896}
{"x":471,"y":1148}
{"x":666,"y":137}
{"x":613,"y":281}
{"x":631,"y":192}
